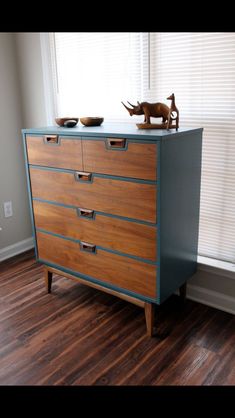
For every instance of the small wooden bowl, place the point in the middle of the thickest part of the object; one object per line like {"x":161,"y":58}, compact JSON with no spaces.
{"x":90,"y":121}
{"x":61,"y":121}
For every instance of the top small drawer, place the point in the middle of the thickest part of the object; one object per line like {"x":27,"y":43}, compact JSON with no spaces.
{"x":120,"y":157}
{"x":55,"y":151}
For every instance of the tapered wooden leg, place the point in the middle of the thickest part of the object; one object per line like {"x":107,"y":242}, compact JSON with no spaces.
{"x":183,"y":290}
{"x":149,"y":317}
{"x":48,"y":279}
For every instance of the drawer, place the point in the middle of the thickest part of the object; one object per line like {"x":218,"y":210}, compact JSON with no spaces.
{"x":123,"y":198}
{"x":109,"y":232}
{"x":55,"y":151}
{"x":120,"y":157}
{"x":113,"y":269}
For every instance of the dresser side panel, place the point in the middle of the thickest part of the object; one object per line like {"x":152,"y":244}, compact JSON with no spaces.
{"x":179,"y":206}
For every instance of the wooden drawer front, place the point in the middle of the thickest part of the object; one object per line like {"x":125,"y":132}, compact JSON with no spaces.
{"x":107,"y":157}
{"x":130,"y":274}
{"x":46,"y":151}
{"x":123,"y":198}
{"x":117,"y":234}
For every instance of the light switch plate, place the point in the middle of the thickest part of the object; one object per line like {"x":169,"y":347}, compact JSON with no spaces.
{"x":8,"y":209}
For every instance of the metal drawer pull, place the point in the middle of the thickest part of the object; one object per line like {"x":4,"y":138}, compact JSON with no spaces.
{"x":112,"y":143}
{"x":85,"y":213}
{"x":89,"y":248}
{"x":51,"y":139}
{"x":82,"y":176}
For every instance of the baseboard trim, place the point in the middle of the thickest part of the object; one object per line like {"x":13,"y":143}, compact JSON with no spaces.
{"x":211,"y":298}
{"x":218,"y":267}
{"x":17,"y":248}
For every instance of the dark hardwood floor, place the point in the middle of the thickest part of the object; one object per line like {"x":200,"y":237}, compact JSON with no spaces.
{"x":80,"y":336}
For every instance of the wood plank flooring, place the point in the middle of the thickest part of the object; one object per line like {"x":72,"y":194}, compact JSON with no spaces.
{"x":80,"y":336}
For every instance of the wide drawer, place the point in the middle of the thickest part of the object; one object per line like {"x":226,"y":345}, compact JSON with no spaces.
{"x":55,"y":151}
{"x":109,"y":232}
{"x":112,"y":269}
{"x":120,"y":157}
{"x":123,"y":198}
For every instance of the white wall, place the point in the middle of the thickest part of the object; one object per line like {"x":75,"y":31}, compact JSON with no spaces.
{"x":29,"y":63}
{"x":12,"y":170}
{"x":22,"y":105}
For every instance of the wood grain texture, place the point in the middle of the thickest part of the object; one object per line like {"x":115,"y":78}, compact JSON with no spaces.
{"x":48,"y":279}
{"x":126,"y":273}
{"x":149,"y":317}
{"x":80,"y":336}
{"x":123,"y":198}
{"x":128,"y":298}
{"x":117,"y":234}
{"x":68,"y":154}
{"x":137,"y":161}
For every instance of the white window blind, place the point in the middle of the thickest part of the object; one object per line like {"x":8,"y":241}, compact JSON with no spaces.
{"x":200,"y":69}
{"x":94,"y":72}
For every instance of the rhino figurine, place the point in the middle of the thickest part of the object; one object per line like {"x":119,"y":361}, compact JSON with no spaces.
{"x":156,"y":110}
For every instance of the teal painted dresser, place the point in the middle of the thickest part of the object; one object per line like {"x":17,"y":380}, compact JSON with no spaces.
{"x":116,"y":208}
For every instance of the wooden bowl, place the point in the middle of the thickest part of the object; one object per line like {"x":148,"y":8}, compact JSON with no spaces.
{"x":62,"y":121}
{"x":90,"y":121}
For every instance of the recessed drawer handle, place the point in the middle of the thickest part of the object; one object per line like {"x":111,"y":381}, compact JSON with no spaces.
{"x":85,"y":213}
{"x":89,"y":248}
{"x":112,"y":143}
{"x":82,"y":176}
{"x":51,"y":139}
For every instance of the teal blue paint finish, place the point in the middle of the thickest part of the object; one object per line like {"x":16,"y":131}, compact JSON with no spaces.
{"x":128,"y":141}
{"x":104,"y":176}
{"x":158,"y":233}
{"x":96,"y":212}
{"x":98,"y":247}
{"x":45,"y":168}
{"x":125,"y":218}
{"x":87,"y":138}
{"x":97,"y":281}
{"x":29,"y":195}
{"x":54,"y":234}
{"x":179,"y":208}
{"x":52,"y":202}
{"x":126,"y":130}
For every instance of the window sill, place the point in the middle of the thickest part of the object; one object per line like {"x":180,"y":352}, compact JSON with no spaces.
{"x":221,"y":268}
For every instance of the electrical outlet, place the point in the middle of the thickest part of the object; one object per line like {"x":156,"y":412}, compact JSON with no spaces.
{"x":7,"y":209}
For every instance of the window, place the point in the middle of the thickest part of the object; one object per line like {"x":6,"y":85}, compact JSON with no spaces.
{"x":94,"y":72}
{"x":200,"y":69}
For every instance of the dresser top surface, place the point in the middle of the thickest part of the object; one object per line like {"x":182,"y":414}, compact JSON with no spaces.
{"x":128,"y":130}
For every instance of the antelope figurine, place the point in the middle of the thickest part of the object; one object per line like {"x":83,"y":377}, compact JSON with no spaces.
{"x":173,"y":108}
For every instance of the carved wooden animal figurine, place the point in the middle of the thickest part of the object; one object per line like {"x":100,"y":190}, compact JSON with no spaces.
{"x":156,"y":110}
{"x":173,"y":108}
